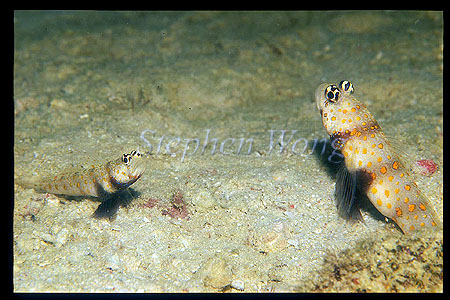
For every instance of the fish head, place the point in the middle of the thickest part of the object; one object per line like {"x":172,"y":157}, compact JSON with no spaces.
{"x":338,"y":107}
{"x":128,"y":169}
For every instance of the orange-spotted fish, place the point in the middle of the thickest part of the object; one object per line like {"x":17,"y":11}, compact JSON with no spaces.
{"x":97,"y":181}
{"x":371,"y":162}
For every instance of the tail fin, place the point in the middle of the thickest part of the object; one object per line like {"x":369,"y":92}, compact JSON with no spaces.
{"x":28,"y":183}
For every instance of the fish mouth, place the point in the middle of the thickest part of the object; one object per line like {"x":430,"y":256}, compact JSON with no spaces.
{"x":133,"y":177}
{"x":139,"y":169}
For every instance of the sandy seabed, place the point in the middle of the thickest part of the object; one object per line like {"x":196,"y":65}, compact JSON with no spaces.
{"x":223,"y":206}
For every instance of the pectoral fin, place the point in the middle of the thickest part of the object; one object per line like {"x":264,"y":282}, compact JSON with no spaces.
{"x":346,"y":194}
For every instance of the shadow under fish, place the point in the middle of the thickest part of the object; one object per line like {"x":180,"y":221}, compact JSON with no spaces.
{"x":110,"y":203}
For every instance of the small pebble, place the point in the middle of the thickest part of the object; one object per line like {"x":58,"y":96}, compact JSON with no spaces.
{"x":238,"y":284}
{"x":113,"y":262}
{"x":58,"y":104}
{"x":293,"y":243}
{"x":61,"y":237}
{"x":203,"y":200}
{"x":46,"y":237}
{"x":215,"y":272}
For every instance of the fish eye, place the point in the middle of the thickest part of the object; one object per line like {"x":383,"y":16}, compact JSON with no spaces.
{"x":125,"y":158}
{"x":346,"y":86}
{"x":332,"y":93}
